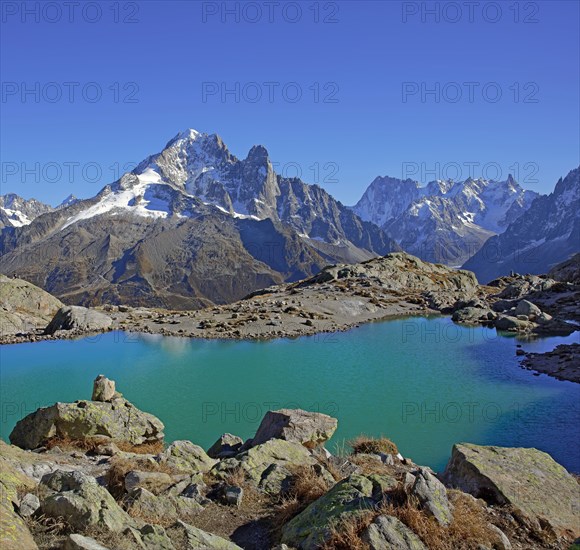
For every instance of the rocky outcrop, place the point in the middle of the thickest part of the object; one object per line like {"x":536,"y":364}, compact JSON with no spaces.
{"x":401,"y":271}
{"x":280,"y":491}
{"x":528,"y":479}
{"x":24,"y":307}
{"x":77,"y":318}
{"x":307,"y":428}
{"x":568,"y":271}
{"x":117,"y":419}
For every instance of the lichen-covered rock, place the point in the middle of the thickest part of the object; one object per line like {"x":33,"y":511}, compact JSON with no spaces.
{"x":275,"y":480}
{"x":149,"y":537}
{"x":103,"y":388}
{"x":80,"y":542}
{"x":29,"y":503}
{"x":528,"y":479}
{"x":389,"y":533}
{"x":349,"y":498}
{"x":432,"y":496}
{"x":167,"y":508}
{"x":78,"y":318}
{"x":14,"y":533}
{"x":81,"y":502}
{"x":258,"y":459}
{"x":196,"y":539}
{"x":311,"y":429}
{"x":118,"y":419}
{"x":184,"y":456}
{"x":226,"y":446}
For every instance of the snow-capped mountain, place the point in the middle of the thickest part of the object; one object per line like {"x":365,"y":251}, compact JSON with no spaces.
{"x":16,"y":211}
{"x":190,"y":225}
{"x":444,"y":221}
{"x":547,"y":233}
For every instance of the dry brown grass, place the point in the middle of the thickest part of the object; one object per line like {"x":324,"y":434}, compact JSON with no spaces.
{"x":370,"y":465}
{"x":306,"y":486}
{"x":373,"y":445}
{"x":468,"y":528}
{"x":236,"y":477}
{"x":90,"y":444}
{"x":347,"y":534}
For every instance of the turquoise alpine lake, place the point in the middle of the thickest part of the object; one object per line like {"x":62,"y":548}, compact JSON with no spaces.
{"x":426,"y":383}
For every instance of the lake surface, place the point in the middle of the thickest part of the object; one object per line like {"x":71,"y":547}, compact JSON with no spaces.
{"x":425,"y":383}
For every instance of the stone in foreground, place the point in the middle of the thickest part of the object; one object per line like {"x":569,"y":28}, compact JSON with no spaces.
{"x":118,"y":419}
{"x":432,"y":496}
{"x":528,"y":479}
{"x":196,"y":538}
{"x":82,"y":503}
{"x":389,"y":533}
{"x":311,"y":429}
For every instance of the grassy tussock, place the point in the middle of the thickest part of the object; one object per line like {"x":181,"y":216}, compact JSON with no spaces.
{"x":373,"y":445}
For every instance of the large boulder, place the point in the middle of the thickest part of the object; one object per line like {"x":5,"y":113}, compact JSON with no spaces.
{"x":389,"y":533}
{"x":83,"y":503}
{"x":117,"y":419}
{"x":79,"y":319}
{"x":184,"y":456}
{"x":528,"y":309}
{"x":348,"y":499}
{"x":528,"y":479}
{"x":311,"y":429}
{"x":24,"y":307}
{"x":255,"y":462}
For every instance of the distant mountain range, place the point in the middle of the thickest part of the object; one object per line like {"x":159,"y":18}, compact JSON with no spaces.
{"x":194,"y":225}
{"x":445,"y":221}
{"x":547,"y":233}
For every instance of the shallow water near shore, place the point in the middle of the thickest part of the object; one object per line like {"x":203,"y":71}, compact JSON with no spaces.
{"x":424,"y":383}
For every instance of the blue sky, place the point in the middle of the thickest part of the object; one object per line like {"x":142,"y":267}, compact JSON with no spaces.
{"x":88,"y":91}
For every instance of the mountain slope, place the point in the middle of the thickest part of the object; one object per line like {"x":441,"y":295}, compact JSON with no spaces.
{"x":444,"y":221}
{"x":546,"y":234}
{"x":190,"y":226}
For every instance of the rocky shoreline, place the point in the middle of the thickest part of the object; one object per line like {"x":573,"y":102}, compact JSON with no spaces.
{"x":66,"y":485}
{"x":340,"y":298}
